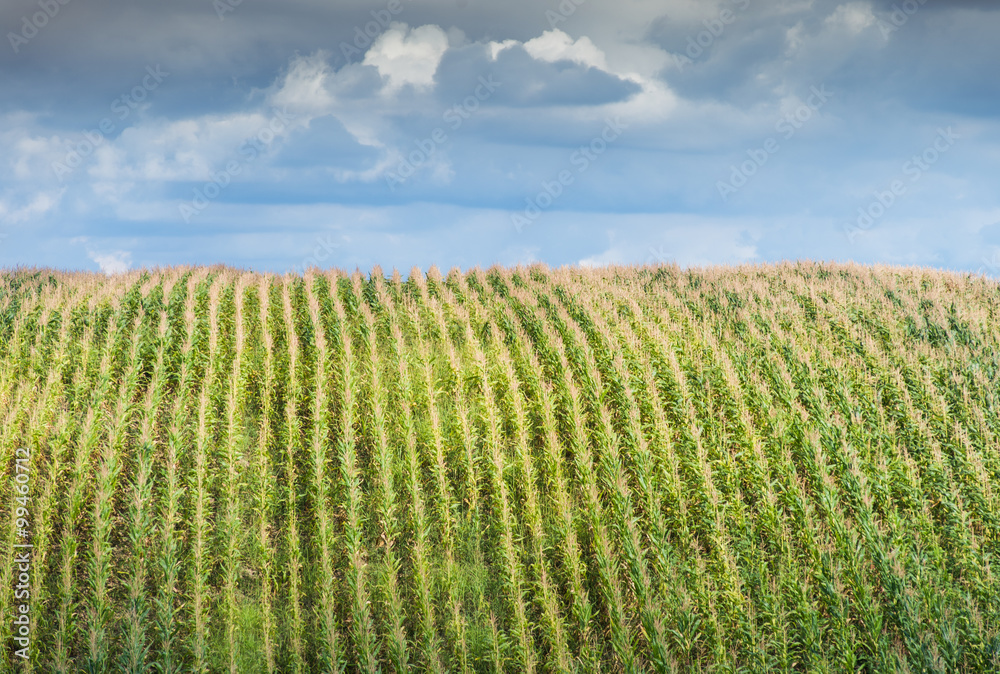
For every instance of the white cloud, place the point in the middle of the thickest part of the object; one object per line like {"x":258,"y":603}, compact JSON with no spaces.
{"x":854,"y":16}
{"x":26,"y":153}
{"x":497,"y":47}
{"x":31,"y":154}
{"x":555,"y":45}
{"x":194,"y":148}
{"x":42,"y":203}
{"x":841,"y":33}
{"x":794,"y":38}
{"x":113,"y":262}
{"x":389,"y":161}
{"x":408,"y":56}
{"x":304,"y":89}
{"x":190,"y":149}
{"x":688,"y":240}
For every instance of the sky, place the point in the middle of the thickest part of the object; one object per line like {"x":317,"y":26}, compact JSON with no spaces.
{"x":281,"y":135}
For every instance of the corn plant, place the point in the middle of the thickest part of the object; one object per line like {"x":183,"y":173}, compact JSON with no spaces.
{"x":792,"y":467}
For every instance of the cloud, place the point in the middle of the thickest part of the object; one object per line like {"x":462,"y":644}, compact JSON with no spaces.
{"x":112,"y":262}
{"x":191,"y":149}
{"x":854,"y":16}
{"x":527,"y":81}
{"x":555,"y":45}
{"x":36,"y":207}
{"x":408,"y":56}
{"x":681,"y":239}
{"x":304,"y":88}
{"x":497,"y":47}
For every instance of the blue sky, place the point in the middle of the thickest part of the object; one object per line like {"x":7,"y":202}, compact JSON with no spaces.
{"x":276,"y":135}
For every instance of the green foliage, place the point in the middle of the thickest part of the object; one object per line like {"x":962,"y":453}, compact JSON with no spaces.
{"x":752,"y":469}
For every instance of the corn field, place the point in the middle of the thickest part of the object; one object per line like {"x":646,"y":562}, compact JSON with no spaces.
{"x":748,"y":469}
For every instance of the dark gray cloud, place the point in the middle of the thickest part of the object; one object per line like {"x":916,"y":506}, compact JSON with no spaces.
{"x":91,"y":51}
{"x":935,"y":5}
{"x":933,"y":56}
{"x":525,"y":81}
